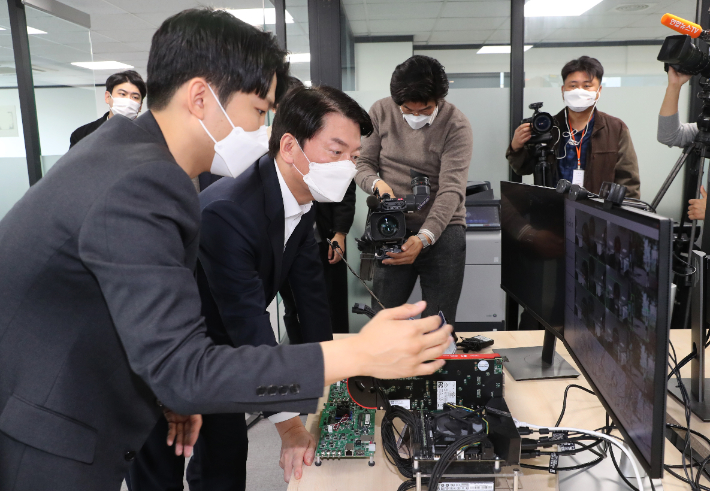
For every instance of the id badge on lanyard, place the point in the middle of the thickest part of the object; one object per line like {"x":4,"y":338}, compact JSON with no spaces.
{"x":578,"y":173}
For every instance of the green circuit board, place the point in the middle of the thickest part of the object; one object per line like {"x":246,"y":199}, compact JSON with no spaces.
{"x":346,"y":429}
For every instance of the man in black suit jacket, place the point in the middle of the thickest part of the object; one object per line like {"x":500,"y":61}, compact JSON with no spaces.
{"x":129,"y":86}
{"x":100,"y":321}
{"x":257,"y":233}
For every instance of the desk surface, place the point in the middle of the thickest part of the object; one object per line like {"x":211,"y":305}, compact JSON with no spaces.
{"x":536,"y":402}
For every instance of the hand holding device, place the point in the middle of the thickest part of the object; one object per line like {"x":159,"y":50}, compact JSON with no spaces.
{"x":521,"y":136}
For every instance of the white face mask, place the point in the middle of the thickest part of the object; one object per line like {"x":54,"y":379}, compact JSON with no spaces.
{"x":238,"y":150}
{"x":579,"y":100}
{"x":125,"y":107}
{"x":418,"y":122}
{"x":329,"y":182}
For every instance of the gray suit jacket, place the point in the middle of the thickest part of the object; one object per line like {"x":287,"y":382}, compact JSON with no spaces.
{"x":100,"y":314}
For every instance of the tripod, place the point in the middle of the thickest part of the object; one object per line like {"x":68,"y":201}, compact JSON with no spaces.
{"x":694,"y":154}
{"x":543,"y":169}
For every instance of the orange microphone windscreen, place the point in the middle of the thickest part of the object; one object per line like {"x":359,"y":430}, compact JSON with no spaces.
{"x":681,"y":25}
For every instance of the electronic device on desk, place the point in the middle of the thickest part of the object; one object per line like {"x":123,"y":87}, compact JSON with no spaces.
{"x":347,"y":430}
{"x":465,"y":379}
{"x":533,"y":262}
{"x":616,"y":322}
{"x":458,"y":432}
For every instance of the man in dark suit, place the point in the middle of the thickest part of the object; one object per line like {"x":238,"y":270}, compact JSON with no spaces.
{"x":256,"y":235}
{"x":100,"y":321}
{"x":124,"y":95}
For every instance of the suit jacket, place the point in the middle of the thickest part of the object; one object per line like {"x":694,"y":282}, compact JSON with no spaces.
{"x":100,"y":314}
{"x":86,"y":130}
{"x":611,"y":156}
{"x":336,"y":217}
{"x":244,"y":262}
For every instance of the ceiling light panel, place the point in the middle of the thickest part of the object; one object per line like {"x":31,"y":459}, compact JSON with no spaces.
{"x":102,"y":65}
{"x":558,"y":8}
{"x":258,"y":17}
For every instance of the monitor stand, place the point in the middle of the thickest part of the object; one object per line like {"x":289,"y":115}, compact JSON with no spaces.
{"x":538,"y":362}
{"x":697,"y":386}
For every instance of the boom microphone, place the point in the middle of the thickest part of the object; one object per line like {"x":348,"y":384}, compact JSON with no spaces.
{"x":683,"y":26}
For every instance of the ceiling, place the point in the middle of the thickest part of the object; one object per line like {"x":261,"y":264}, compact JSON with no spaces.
{"x":121,"y":30}
{"x":488,"y":22}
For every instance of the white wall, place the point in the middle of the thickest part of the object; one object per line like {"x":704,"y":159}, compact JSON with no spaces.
{"x":13,"y":165}
{"x":375,"y":62}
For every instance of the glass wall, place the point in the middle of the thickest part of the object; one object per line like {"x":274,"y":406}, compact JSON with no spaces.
{"x":626,"y":40}
{"x":64,"y":93}
{"x":14,"y":180}
{"x":387,"y":33}
{"x":297,"y":39}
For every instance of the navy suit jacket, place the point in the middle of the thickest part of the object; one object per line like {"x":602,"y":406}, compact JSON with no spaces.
{"x":244,"y":263}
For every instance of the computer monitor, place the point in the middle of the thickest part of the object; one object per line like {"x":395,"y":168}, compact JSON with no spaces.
{"x":533,"y":273}
{"x":617,"y":303}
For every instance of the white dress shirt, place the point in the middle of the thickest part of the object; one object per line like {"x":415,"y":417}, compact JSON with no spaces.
{"x":292,"y":216}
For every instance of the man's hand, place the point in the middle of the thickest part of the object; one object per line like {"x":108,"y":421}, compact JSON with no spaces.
{"x":297,"y":447}
{"x":410,"y":251}
{"x":334,"y":257}
{"x":389,"y":346}
{"x":522,"y":134}
{"x":696,"y":210}
{"x":384,"y":188}
{"x":676,"y":78}
{"x":183,"y":430}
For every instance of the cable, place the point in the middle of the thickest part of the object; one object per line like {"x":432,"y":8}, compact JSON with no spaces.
{"x":564,"y":400}
{"x":687,"y":264}
{"x":603,"y":436}
{"x":339,"y":250}
{"x":682,"y":363}
{"x":635,"y":200}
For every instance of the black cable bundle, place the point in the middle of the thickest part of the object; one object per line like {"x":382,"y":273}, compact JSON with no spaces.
{"x":449,"y":455}
{"x":390,"y":434}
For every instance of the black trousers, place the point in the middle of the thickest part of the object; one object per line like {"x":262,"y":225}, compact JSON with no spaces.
{"x":336,"y":281}
{"x":219,"y":462}
{"x":440,"y":269}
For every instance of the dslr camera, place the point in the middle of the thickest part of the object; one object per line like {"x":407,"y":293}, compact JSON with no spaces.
{"x":385,"y":228}
{"x":541,"y":125}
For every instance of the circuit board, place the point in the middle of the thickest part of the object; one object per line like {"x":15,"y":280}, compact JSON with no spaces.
{"x":466,"y":379}
{"x":347,"y":430}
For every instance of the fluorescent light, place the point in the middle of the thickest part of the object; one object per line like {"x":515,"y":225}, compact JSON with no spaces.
{"x":299,"y":57}
{"x":102,"y":65}
{"x":489,"y":50}
{"x":2,"y":28}
{"x":32,"y":30}
{"x":558,"y":8}
{"x":307,"y":83}
{"x":258,"y":17}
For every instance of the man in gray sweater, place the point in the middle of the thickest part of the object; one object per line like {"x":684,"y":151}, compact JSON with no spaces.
{"x":416,"y":129}
{"x":673,"y":133}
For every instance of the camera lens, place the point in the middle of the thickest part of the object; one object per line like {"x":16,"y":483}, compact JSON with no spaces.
{"x":679,"y":52}
{"x":542,"y":123}
{"x":387,"y":226}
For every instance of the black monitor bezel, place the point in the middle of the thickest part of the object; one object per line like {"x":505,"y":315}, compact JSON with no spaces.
{"x":665,"y":228}
{"x":559,"y":333}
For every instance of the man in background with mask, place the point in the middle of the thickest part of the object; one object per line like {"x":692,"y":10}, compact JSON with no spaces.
{"x":416,"y":129}
{"x":124,"y":95}
{"x":593,"y":146}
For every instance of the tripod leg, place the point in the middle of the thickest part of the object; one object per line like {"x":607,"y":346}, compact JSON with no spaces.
{"x":671,"y":176}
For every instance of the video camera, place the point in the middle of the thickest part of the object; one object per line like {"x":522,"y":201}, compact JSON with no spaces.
{"x":541,"y":125}
{"x":680,"y":53}
{"x":385,"y":229}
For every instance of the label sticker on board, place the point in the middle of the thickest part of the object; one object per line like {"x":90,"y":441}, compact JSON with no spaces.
{"x":405,"y":403}
{"x":483,"y":365}
{"x":466,"y":486}
{"x":445,"y":393}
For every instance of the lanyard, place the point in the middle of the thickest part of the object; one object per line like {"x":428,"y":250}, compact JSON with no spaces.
{"x":578,"y":146}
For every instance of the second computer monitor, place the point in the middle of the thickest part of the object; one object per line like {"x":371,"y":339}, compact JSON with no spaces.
{"x":617,"y":306}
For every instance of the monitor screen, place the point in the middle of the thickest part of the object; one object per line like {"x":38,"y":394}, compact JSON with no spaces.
{"x":533,"y":261}
{"x":482,"y":216}
{"x":616,"y":316}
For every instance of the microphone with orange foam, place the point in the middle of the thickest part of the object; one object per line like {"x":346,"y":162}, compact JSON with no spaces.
{"x":683,"y":26}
